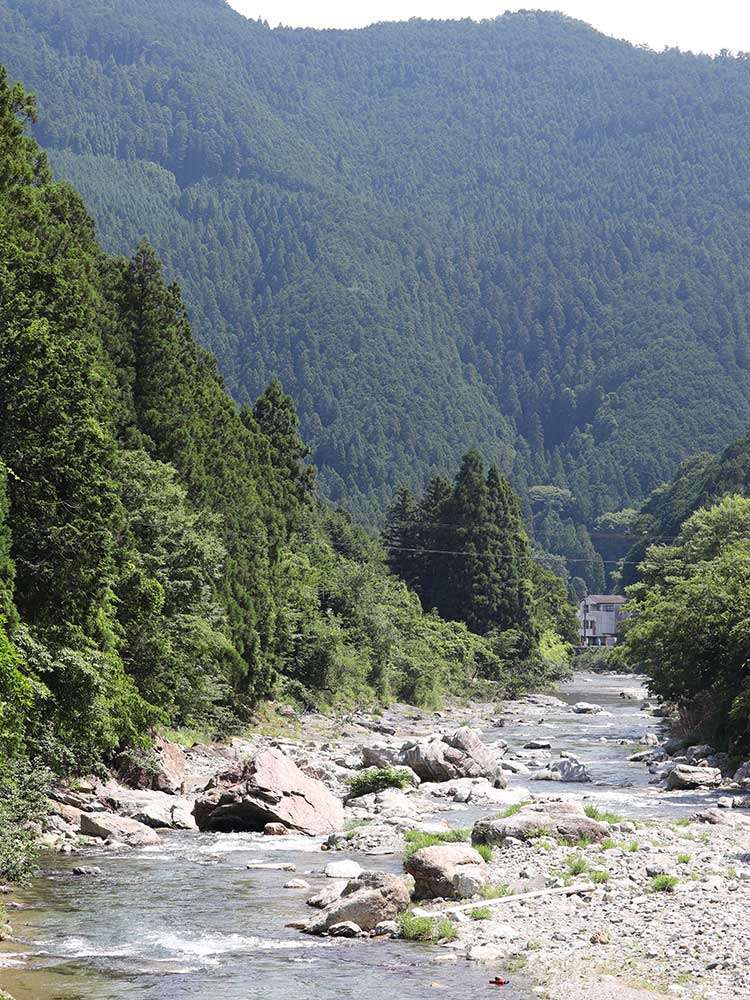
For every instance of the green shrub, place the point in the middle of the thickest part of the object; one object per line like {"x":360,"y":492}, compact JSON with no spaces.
{"x":663,"y":883}
{"x":485,"y":850}
{"x":481,"y":913}
{"x":683,"y":859}
{"x":426,"y":929}
{"x":376,"y":779}
{"x":23,"y":799}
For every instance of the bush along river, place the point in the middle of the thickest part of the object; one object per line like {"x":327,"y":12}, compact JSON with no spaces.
{"x":559,"y":846}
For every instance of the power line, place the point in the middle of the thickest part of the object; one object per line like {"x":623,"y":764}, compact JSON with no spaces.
{"x":466,"y":552}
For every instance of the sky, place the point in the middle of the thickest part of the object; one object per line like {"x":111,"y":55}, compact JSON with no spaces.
{"x":689,"y":24}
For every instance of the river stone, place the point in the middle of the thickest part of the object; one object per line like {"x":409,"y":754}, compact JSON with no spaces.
{"x":275,"y":830}
{"x":122,"y":828}
{"x":587,"y":708}
{"x":272,"y":789}
{"x":435,"y":868}
{"x":368,"y":901}
{"x":347,"y":928}
{"x":467,"y":884}
{"x":685,"y":776}
{"x":460,"y":754}
{"x":154,"y":809}
{"x":379,"y":755}
{"x":564,"y":770}
{"x":698,"y":753}
{"x":562,"y":820}
{"x":742,"y":774}
{"x":342,"y":869}
{"x":326,"y":896}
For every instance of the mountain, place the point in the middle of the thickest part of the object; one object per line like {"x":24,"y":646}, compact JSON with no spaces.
{"x":164,"y":561}
{"x":518,"y":234}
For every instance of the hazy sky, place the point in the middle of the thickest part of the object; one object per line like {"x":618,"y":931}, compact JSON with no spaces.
{"x":699,"y":26}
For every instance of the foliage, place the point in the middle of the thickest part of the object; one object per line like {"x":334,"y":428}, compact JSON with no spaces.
{"x":164,"y":560}
{"x":597,"y":660}
{"x":464,"y":548}
{"x":23,"y":791}
{"x":426,"y":929}
{"x":484,"y":850}
{"x":690,"y":618}
{"x":431,"y":232}
{"x":481,"y":913}
{"x":376,"y":779}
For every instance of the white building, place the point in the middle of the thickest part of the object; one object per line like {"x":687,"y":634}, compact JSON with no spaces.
{"x":599,"y":617}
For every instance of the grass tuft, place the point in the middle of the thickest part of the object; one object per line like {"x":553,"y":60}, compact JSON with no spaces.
{"x":485,"y":850}
{"x":481,"y":913}
{"x":512,"y":810}
{"x":599,"y":877}
{"x":663,"y":883}
{"x":602,"y":815}
{"x":426,"y":929}
{"x":577,"y":865}
{"x":494,"y":891}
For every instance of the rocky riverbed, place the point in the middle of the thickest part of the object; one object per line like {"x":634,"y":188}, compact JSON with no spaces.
{"x":612,"y":862}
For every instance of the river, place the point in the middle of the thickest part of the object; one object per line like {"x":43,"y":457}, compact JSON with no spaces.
{"x":188,"y":919}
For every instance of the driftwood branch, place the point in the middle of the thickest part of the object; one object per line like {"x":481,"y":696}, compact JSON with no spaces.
{"x":567,"y":890}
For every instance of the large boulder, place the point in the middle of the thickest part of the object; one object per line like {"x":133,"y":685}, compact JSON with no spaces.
{"x":460,"y":754}
{"x":271,"y":789}
{"x":742,"y":775}
{"x":164,"y":771}
{"x":436,"y":869}
{"x":587,"y":708}
{"x":566,"y":769}
{"x":379,"y":755}
{"x":685,"y":777}
{"x":157,"y":809}
{"x":366,"y":901}
{"x":565,"y":820}
{"x":122,"y":828}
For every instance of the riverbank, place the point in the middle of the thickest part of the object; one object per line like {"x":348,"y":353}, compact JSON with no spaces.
{"x":567,"y":918}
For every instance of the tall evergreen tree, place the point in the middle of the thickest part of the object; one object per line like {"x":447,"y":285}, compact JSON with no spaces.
{"x":401,"y":537}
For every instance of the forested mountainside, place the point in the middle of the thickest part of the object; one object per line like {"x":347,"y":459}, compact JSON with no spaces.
{"x":519,"y":234}
{"x":699,"y":482}
{"x":164,"y":561}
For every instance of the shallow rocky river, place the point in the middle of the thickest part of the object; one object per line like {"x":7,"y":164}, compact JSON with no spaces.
{"x":188,"y":919}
